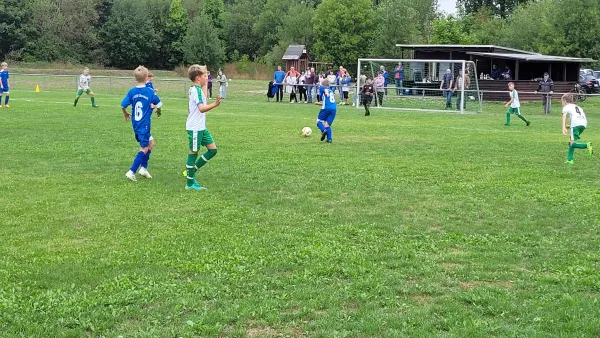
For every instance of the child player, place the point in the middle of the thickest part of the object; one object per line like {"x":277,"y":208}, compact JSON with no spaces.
{"x":141,"y":99}
{"x":84,"y":86}
{"x":198,"y":135}
{"x":328,"y":111}
{"x":4,"y":85}
{"x":367,"y":95}
{"x":514,"y":104}
{"x":149,"y":83}
{"x":578,"y":125}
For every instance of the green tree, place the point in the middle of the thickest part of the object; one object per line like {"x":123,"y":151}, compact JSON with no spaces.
{"x":214,"y":11}
{"x":175,"y":29}
{"x":202,"y":45}
{"x":449,"y":30}
{"x":402,"y":21}
{"x":269,"y":21}
{"x":240,"y":35}
{"x":501,"y":8}
{"x":129,"y":37}
{"x":345,"y":29}
{"x":15,"y":23}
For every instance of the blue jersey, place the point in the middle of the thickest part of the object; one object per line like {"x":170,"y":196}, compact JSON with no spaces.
{"x":4,"y":77}
{"x":328,"y":98}
{"x":140,"y":98}
{"x":279,"y":76}
{"x":150,"y":85}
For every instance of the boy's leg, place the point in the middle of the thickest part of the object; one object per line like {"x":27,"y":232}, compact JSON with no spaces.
{"x":518,"y":113}
{"x":508,"y":112}
{"x":91,"y":94}
{"x":330,"y":119}
{"x":77,"y":96}
{"x":575,"y":136}
{"x":6,"y":97}
{"x":211,"y":151}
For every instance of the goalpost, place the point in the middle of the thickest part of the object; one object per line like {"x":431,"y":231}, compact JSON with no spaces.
{"x":419,"y":88}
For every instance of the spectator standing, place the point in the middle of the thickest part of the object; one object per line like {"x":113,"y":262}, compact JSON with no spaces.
{"x":222,"y":81}
{"x":446,"y":86}
{"x":385,"y":75}
{"x":546,"y":87}
{"x":278,"y":80}
{"x":210,"y":83}
{"x":345,"y":82}
{"x":302,"y":87}
{"x":310,"y":82}
{"x":379,"y":84}
{"x":461,"y":81}
{"x":292,"y":82}
{"x":399,"y":77}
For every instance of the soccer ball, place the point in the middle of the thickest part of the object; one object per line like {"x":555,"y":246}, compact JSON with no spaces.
{"x":306,"y":131}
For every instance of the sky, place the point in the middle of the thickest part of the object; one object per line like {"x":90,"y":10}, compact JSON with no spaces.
{"x":448,"y":6}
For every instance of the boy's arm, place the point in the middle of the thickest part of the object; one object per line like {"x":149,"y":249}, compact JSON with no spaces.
{"x":206,"y":107}
{"x":126,"y":114}
{"x":564,"y":123}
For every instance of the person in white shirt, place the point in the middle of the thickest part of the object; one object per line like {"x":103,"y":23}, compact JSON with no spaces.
{"x":578,"y":123}
{"x":83,"y":85}
{"x":514,"y":106}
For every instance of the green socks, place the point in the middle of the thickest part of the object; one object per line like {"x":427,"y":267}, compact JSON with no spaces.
{"x":191,"y":168}
{"x":202,"y":160}
{"x":522,"y":118}
{"x":75,"y":102}
{"x":93,"y":101}
{"x":508,"y":119}
{"x":573,"y":146}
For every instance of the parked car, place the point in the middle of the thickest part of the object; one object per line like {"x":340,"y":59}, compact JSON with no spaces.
{"x":596,"y":74}
{"x":586,"y":72}
{"x":589,"y":83}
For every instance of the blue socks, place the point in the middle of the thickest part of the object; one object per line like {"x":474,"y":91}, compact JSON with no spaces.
{"x":137,"y":161}
{"x":145,"y":159}
{"x":321,"y":126}
{"x":328,"y":129}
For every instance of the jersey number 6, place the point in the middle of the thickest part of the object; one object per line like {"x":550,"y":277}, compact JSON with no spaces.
{"x":138,"y":113}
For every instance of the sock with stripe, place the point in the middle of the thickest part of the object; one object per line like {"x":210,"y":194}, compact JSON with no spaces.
{"x":190,"y":166}
{"x":321,"y":126}
{"x":328,"y":129}
{"x":202,"y":160}
{"x":93,"y":101}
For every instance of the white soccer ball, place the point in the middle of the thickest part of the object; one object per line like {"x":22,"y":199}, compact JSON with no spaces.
{"x":306,"y":131}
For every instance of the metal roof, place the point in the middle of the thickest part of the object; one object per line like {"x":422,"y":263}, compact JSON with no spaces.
{"x":294,"y":52}
{"x":467,"y":46}
{"x":532,"y":57}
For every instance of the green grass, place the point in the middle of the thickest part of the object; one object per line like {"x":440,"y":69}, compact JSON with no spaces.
{"x":410,"y":224}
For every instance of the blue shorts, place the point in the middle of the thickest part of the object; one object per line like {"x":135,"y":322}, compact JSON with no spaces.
{"x":326,"y":115}
{"x":144,"y":139}
{"x":5,"y":90}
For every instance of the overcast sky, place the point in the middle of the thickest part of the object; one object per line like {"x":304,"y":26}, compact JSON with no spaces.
{"x":448,"y":6}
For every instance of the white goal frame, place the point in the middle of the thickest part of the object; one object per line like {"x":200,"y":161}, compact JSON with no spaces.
{"x":462,"y":63}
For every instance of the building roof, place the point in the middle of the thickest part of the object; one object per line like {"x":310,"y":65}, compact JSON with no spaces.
{"x":294,"y":52}
{"x":532,"y":57}
{"x":442,"y":46}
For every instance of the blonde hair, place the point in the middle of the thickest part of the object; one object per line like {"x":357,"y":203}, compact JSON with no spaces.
{"x":4,"y":64}
{"x":150,"y":74}
{"x":86,"y":68}
{"x":196,"y":70}
{"x":511,"y":83}
{"x":140,"y":74}
{"x":568,"y":98}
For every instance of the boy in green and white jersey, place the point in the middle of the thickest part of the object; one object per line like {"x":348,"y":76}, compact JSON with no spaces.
{"x":195,"y":125}
{"x":83,"y":85}
{"x":578,"y":123}
{"x":514,"y":106}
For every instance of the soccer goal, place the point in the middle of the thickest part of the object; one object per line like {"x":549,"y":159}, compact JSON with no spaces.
{"x":417,"y":85}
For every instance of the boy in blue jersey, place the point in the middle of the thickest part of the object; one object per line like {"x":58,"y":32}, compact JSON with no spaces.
{"x":328,"y":111}
{"x":149,"y":83}
{"x":4,"y":85}
{"x":142,"y":100}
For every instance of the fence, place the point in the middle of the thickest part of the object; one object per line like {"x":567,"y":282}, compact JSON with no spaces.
{"x":421,"y":96}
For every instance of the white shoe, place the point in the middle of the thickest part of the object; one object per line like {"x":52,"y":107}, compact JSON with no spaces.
{"x":144,"y":172}
{"x":131,"y":175}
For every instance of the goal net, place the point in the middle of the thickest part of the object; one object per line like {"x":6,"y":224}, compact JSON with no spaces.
{"x":419,"y":84}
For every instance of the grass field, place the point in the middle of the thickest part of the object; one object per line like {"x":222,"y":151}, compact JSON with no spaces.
{"x":410,"y":224}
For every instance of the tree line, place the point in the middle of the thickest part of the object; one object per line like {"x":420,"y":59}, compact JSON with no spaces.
{"x":163,"y":34}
